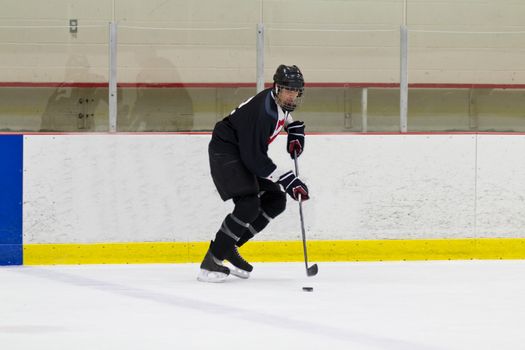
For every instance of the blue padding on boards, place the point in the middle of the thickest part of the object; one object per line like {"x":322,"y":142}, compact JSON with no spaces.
{"x":11,"y":170}
{"x":11,"y":254}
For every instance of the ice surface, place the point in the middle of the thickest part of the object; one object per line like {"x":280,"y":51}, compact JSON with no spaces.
{"x":396,"y":305}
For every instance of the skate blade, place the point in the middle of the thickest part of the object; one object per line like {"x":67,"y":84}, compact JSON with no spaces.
{"x":211,"y":276}
{"x":239,"y":273}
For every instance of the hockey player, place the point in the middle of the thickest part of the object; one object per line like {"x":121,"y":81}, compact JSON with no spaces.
{"x":242,"y":171}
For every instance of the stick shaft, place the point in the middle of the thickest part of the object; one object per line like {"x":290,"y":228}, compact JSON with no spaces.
{"x":301,"y":215}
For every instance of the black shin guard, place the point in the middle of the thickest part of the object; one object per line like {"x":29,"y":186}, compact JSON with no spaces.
{"x":255,"y":227}
{"x":245,"y":238}
{"x":272,"y":204}
{"x":261,"y":222}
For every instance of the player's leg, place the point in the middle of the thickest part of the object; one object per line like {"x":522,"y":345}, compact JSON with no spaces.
{"x":232,"y":180}
{"x":233,"y":228}
{"x":273,"y":203}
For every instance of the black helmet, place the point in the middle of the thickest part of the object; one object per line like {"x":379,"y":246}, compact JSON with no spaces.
{"x":289,"y":78}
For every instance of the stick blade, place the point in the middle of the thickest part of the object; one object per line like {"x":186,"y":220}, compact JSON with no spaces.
{"x":312,"y":270}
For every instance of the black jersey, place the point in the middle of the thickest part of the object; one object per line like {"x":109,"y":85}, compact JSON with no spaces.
{"x":248,"y":131}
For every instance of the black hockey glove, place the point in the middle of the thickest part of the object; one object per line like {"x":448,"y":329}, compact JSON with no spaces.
{"x":295,"y":138}
{"x":293,"y":186}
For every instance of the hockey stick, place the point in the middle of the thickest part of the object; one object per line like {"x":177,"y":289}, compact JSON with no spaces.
{"x":312,"y":270}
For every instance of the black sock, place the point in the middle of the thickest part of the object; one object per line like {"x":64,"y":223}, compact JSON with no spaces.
{"x":260,"y":223}
{"x":231,"y":231}
{"x":245,"y":238}
{"x":222,"y":245}
{"x":256,"y":226}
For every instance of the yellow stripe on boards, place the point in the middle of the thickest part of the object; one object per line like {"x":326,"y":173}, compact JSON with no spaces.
{"x":114,"y":253}
{"x":283,"y":251}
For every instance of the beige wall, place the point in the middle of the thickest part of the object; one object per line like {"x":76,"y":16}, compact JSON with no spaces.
{"x":304,"y":32}
{"x":214,"y":41}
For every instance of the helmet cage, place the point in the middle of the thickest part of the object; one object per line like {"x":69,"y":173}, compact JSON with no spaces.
{"x":288,"y":105}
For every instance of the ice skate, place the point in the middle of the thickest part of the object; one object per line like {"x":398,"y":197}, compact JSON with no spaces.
{"x":240,"y":267}
{"x":212,"y":269}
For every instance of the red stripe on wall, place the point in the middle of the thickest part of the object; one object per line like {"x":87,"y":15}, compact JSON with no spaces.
{"x":430,"y":133}
{"x":252,"y":85}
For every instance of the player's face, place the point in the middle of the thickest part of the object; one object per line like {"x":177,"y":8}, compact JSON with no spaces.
{"x":289,"y":97}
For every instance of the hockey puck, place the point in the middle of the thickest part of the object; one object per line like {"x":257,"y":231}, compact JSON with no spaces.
{"x":308,"y":289}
